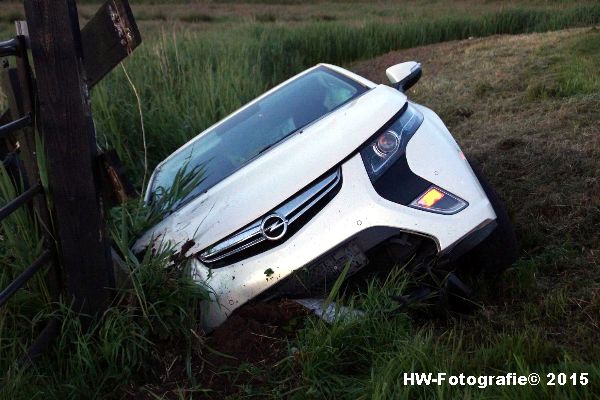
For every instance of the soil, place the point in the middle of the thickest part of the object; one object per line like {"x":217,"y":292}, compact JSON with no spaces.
{"x":254,"y":333}
{"x":254,"y":336}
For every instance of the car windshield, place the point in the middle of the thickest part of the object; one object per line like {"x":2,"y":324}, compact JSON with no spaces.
{"x":227,"y":147}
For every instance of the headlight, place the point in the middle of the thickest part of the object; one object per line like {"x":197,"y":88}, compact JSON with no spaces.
{"x":391,"y":144}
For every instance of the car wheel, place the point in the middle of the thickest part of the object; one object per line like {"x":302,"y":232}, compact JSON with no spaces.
{"x":500,"y":249}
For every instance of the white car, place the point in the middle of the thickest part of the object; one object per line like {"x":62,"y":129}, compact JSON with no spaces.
{"x":312,"y":175}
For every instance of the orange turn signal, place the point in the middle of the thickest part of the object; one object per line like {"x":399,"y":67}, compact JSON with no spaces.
{"x":429,"y":198}
{"x":439,"y":201}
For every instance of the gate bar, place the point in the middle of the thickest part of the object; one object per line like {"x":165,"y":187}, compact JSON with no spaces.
{"x":41,"y":343}
{"x":18,"y":201}
{"x":24,"y":277}
{"x":15,"y":125}
{"x":9,"y":47}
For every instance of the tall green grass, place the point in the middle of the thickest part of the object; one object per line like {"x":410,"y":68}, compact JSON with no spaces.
{"x":190,"y":80}
{"x":150,"y":323}
{"x":366,"y":356}
{"x":155,"y":307}
{"x":21,"y":242}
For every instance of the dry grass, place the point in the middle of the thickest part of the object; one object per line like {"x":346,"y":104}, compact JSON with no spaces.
{"x":542,"y":153}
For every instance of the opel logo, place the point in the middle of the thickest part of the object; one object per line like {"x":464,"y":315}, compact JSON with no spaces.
{"x":273,"y":227}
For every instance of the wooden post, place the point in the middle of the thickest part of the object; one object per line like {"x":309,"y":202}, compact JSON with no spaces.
{"x":70,"y":143}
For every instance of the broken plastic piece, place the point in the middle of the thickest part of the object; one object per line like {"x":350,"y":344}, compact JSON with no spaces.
{"x":329,"y":313}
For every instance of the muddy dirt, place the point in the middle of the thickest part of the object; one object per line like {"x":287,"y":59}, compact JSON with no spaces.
{"x":255,"y":334}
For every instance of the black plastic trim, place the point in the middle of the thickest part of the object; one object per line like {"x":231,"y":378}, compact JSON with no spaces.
{"x":399,"y":184}
{"x":409,"y":81}
{"x":471,"y":240}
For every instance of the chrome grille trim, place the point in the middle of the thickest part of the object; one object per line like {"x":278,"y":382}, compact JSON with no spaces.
{"x":291,"y":211}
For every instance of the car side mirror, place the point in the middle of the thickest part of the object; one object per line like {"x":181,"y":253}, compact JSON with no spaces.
{"x":404,"y":75}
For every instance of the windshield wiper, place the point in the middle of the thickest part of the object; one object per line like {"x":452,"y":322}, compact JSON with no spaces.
{"x":287,"y":135}
{"x":267,"y":148}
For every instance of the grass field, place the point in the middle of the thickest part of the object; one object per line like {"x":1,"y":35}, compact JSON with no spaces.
{"x":524,"y":107}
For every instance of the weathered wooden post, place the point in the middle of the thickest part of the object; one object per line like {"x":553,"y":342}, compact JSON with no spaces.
{"x":70,"y":143}
{"x":61,"y":114}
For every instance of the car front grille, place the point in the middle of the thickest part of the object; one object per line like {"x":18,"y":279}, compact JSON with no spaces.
{"x":276,"y":226}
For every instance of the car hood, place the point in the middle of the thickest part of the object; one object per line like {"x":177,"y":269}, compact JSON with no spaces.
{"x":275,"y":176}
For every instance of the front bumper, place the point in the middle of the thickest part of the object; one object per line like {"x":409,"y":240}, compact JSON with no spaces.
{"x":360,"y":214}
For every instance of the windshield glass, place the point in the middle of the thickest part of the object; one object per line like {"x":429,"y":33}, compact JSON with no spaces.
{"x":224,"y":149}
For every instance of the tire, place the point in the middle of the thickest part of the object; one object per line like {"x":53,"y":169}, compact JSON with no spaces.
{"x":500,"y":249}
